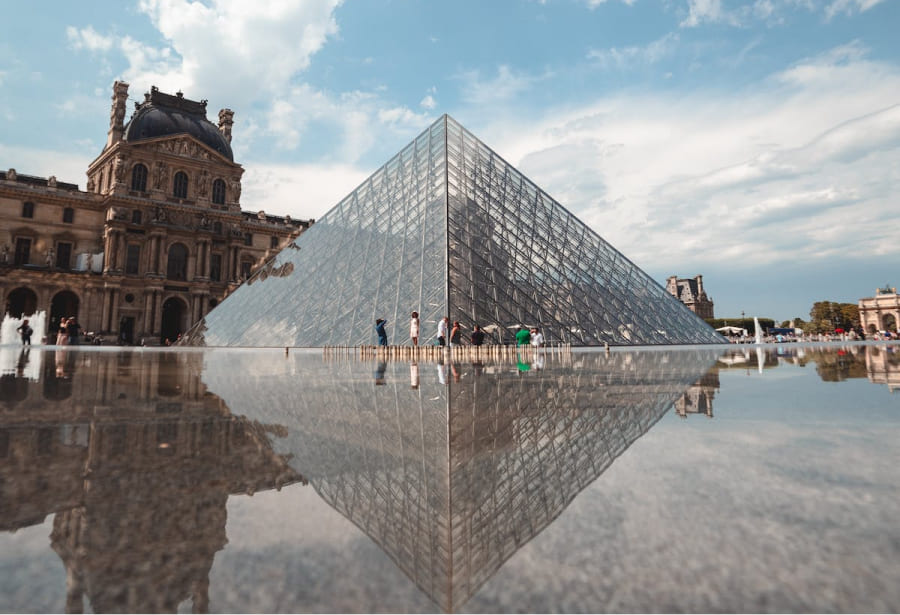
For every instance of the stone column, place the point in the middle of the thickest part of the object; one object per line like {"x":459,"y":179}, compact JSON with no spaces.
{"x":106,"y":308}
{"x":147,"y":324}
{"x":114,"y":311}
{"x":157,"y":313}
{"x":163,"y":259}
{"x":121,"y":251}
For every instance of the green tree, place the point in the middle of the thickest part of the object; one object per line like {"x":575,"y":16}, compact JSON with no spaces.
{"x":826,"y":316}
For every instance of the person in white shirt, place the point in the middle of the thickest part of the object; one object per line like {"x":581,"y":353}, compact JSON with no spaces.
{"x":442,"y":330}
{"x":537,"y":338}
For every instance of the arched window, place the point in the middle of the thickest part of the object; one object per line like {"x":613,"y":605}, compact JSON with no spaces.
{"x":181,"y":185}
{"x":178,"y":257}
{"x":139,"y":178}
{"x":218,"y":192}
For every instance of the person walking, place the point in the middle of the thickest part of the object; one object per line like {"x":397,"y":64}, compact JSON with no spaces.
{"x":477,"y":336}
{"x":382,"y":334}
{"x":25,"y":332}
{"x":62,"y":334}
{"x":442,"y":331}
{"x":523,"y":337}
{"x":414,"y":328}
{"x":455,"y":334}
{"x":73,"y":329}
{"x":537,"y":338}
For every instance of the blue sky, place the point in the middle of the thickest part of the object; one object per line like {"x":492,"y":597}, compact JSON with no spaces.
{"x":753,"y":142}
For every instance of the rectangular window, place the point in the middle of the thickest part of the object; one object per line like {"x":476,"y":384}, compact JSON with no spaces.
{"x":273,"y":243}
{"x":28,"y":210}
{"x":133,"y":259}
{"x":68,"y":215}
{"x":23,"y":251}
{"x":245,"y":270}
{"x":215,"y":267}
{"x":63,"y":255}
{"x":248,"y":239}
{"x":136,"y":216}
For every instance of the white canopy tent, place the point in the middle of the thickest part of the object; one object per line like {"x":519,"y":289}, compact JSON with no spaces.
{"x":732,"y":331}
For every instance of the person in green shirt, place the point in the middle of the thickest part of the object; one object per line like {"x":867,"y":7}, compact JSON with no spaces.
{"x":523,"y":336}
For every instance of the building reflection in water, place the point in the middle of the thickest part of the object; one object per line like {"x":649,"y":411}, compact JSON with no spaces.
{"x":452,"y":468}
{"x":880,"y":363}
{"x":136,"y":461}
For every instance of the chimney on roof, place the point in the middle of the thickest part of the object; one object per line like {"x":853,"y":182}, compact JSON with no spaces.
{"x":117,"y":113}
{"x":226,"y":119}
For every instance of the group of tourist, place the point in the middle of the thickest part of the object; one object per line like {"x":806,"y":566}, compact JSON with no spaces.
{"x":68,"y":333}
{"x":452,"y":335}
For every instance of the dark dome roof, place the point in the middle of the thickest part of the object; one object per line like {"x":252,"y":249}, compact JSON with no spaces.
{"x":163,"y":114}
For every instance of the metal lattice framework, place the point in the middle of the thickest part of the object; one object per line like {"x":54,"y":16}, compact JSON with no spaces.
{"x":447,"y":227}
{"x":451,"y":480}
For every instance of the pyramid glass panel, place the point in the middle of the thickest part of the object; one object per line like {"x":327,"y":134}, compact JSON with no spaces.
{"x":447,"y":227}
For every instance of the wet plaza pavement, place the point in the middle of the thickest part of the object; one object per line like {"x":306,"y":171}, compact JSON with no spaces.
{"x":758,"y":479}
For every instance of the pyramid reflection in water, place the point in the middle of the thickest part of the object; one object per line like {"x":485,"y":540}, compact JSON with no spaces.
{"x":447,"y":227}
{"x":452,"y":479}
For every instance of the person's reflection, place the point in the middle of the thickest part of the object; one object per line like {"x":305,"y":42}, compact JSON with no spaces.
{"x":477,"y":368}
{"x":379,"y":373}
{"x":60,"y":357}
{"x":522,"y":365}
{"x":442,"y":371}
{"x":22,"y":362}
{"x":538,"y":360}
{"x":414,"y":375}
{"x":455,"y":372}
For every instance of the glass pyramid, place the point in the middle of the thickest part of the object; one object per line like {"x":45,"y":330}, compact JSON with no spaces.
{"x":447,"y":227}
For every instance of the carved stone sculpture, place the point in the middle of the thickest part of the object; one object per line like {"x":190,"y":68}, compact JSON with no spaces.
{"x":161,"y":175}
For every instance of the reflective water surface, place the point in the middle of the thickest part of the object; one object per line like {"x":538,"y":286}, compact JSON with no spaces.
{"x":714,"y":479}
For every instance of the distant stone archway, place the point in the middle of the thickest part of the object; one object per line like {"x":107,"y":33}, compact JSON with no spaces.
{"x":889,"y":323}
{"x":63,"y":305}
{"x":21,"y":302}
{"x":174,"y":319}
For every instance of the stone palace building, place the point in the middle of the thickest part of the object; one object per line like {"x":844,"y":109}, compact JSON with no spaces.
{"x":690,"y":292}
{"x":156,"y":240}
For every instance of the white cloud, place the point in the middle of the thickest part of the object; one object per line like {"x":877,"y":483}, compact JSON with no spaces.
{"x":791,"y":168}
{"x":88,"y":38}
{"x":428,"y":102}
{"x":67,"y":167}
{"x":301,"y":191}
{"x":700,"y":11}
{"x":507,"y":84}
{"x":628,"y":57}
{"x":848,"y":7}
{"x":595,"y":3}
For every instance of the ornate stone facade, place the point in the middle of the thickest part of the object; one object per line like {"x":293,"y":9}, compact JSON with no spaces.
{"x":881,"y":312}
{"x":156,"y":240}
{"x":690,"y":292}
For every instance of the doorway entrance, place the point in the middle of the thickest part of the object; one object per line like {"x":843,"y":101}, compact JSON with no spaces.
{"x":174,"y":316}
{"x":126,"y":330}
{"x":63,"y":305}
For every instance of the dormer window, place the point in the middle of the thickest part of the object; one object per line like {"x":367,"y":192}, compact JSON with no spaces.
{"x":180,"y":190}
